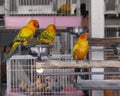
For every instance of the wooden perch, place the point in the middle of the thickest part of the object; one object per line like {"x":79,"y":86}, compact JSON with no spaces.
{"x":98,"y":84}
{"x":79,"y":64}
{"x":106,"y":42}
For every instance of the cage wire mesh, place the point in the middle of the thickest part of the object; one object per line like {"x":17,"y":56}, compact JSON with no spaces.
{"x":55,"y":46}
{"x":26,"y":78}
{"x":20,"y":74}
{"x":41,"y":7}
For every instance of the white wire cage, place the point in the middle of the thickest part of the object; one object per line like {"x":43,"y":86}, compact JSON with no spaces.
{"x":39,"y":7}
{"x":25,"y":77}
{"x":19,"y":71}
{"x":2,"y":9}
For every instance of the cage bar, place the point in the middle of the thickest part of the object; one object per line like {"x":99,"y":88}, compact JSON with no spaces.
{"x":40,"y":7}
{"x":28,"y":77}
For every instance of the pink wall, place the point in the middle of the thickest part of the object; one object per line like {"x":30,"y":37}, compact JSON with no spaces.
{"x":60,"y":21}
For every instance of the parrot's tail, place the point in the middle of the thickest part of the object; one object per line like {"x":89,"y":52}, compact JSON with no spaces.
{"x":13,"y":49}
{"x":34,"y":44}
{"x":31,"y":45}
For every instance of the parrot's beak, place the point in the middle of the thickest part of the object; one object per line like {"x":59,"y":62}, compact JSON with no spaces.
{"x":86,"y":35}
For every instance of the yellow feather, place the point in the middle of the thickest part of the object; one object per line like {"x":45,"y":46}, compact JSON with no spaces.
{"x":65,"y":9}
{"x":23,"y":37}
{"x":47,"y":36}
{"x":80,"y":48}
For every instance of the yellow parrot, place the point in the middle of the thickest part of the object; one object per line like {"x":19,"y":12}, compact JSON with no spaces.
{"x":81,"y":47}
{"x":46,"y":37}
{"x":25,"y":35}
{"x":65,"y":9}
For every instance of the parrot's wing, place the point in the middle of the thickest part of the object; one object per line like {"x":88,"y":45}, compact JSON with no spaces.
{"x":40,"y":37}
{"x":48,"y":35}
{"x":14,"y":46}
{"x":45,"y":37}
{"x":74,"y":48}
{"x":80,"y":49}
{"x":25,"y":35}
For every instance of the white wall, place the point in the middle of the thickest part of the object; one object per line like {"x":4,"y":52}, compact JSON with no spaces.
{"x":96,"y":25}
{"x":97,"y":18}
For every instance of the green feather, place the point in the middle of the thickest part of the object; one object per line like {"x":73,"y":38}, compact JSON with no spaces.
{"x":13,"y":49}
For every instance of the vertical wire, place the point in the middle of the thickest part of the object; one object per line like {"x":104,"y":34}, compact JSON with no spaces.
{"x":16,"y":10}
{"x":37,"y":3}
{"x":24,"y":4}
{"x":13,"y":7}
{"x":31,"y":8}
{"x":35,"y":73}
{"x":27,"y":5}
{"x":54,"y":19}
{"x":34,"y":7}
{"x":40,"y":7}
{"x":47,"y":10}
{"x":19,"y":5}
{"x":0,"y":73}
{"x":46,"y":3}
{"x":9,"y":10}
{"x":10,"y":7}
{"x":13,"y":69}
{"x":30,"y":72}
{"x":42,"y":2}
{"x":14,"y":72}
{"x":31,"y":67}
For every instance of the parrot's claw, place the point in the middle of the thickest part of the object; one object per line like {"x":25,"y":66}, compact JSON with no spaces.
{"x":39,"y":58}
{"x":76,"y":61}
{"x":28,"y":47}
{"x":49,"y":56}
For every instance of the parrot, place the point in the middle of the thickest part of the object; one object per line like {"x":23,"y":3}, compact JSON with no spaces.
{"x":64,"y":9}
{"x":24,"y":36}
{"x":81,"y":47}
{"x":47,"y":36}
{"x":80,"y":50}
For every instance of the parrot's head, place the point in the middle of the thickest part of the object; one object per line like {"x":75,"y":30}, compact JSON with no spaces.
{"x":51,"y":27}
{"x":84,"y":35}
{"x":33,"y":23}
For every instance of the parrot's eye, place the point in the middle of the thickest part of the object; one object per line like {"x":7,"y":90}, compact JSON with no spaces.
{"x":36,"y":24}
{"x":54,"y":27}
{"x":84,"y":35}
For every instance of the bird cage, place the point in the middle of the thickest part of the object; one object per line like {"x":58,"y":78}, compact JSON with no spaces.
{"x":59,"y":75}
{"x":38,"y":7}
{"x":55,"y":46}
{"x":19,"y":71}
{"x":25,"y":77}
{"x":2,"y":10}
